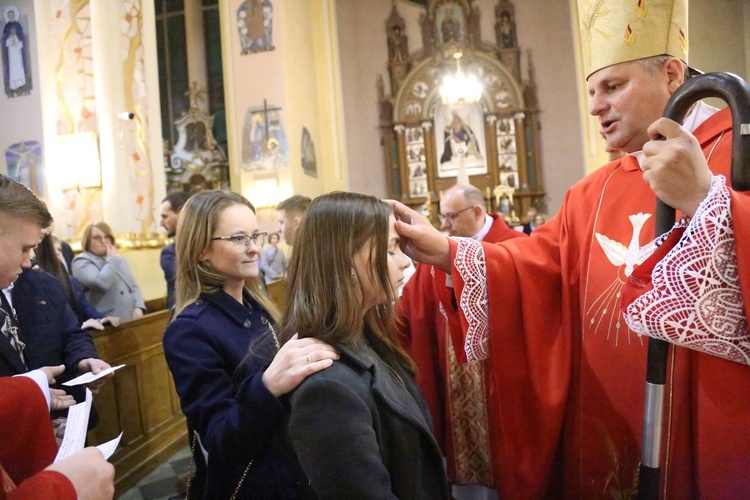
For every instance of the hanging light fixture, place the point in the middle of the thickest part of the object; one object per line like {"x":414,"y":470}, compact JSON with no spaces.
{"x":461,"y":88}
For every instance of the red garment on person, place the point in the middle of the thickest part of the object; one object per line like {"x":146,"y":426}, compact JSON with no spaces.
{"x":456,"y":394}
{"x":571,"y":376}
{"x":28,"y":444}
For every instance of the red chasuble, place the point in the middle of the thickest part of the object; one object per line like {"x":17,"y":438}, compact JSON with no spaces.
{"x":568,"y":372}
{"x":456,"y":394}
{"x":27,"y":444}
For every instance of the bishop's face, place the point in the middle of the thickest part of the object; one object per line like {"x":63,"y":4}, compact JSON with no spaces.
{"x":626,"y":100}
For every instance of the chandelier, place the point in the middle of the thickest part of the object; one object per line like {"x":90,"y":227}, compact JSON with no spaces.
{"x":461,"y":88}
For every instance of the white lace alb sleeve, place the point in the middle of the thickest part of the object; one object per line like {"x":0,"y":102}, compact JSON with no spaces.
{"x":696,"y":300}
{"x":470,"y":264}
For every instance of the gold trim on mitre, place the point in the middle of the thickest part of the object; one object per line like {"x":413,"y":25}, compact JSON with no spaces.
{"x":618,"y":31}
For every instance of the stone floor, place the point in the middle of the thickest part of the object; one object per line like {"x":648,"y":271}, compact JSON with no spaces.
{"x":165,"y":482}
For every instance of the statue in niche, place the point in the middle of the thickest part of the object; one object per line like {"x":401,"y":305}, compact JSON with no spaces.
{"x":197,"y":158}
{"x":505,"y":25}
{"x":428,"y":35}
{"x":450,"y":27}
{"x":397,"y":44}
{"x":255,"y":26}
{"x":16,"y":64}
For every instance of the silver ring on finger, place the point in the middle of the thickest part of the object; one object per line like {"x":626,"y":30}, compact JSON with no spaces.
{"x":307,"y":356}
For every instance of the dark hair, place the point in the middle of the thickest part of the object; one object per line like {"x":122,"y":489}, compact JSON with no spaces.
{"x":46,"y":259}
{"x":19,"y":201}
{"x":294,"y":205}
{"x":176,"y":200}
{"x":327,"y":305}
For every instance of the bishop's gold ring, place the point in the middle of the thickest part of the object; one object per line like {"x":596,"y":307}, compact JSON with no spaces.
{"x":308,"y":359}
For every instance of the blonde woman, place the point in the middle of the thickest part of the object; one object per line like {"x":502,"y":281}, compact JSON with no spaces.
{"x":224,"y":355}
{"x":106,"y":277}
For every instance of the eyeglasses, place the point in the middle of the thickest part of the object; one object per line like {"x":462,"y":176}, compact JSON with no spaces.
{"x":100,"y":239}
{"x":451,"y":217}
{"x":244,"y":239}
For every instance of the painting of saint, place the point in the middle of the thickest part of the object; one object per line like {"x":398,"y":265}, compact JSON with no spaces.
{"x":24,"y":160}
{"x":255,"y":26}
{"x":16,"y":64}
{"x":460,"y":139}
{"x":449,"y":23}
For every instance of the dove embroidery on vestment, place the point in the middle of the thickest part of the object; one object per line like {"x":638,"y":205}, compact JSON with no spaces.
{"x":604,"y":312}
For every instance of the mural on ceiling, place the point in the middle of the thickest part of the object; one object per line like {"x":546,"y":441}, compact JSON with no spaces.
{"x":309,"y":161}
{"x":24,"y":160}
{"x":255,"y":26}
{"x":264,"y":144}
{"x":16,"y":53}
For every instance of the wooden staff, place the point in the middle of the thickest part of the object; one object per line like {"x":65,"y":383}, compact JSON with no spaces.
{"x":736,"y":93}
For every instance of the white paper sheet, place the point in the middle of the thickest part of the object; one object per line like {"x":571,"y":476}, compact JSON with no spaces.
{"x":89,"y":377}
{"x":109,"y":447}
{"x":75,"y":428}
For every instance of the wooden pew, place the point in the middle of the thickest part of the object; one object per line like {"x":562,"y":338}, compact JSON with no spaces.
{"x":140,"y":400}
{"x":277,"y":293}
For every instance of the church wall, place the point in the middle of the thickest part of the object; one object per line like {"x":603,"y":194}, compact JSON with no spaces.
{"x":543,"y":26}
{"x":300,"y":76}
{"x":720,"y":36}
{"x":22,"y":115}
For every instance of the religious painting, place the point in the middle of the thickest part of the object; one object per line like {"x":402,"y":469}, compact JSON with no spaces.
{"x":309,"y":161}
{"x":509,"y":179}
{"x":459,"y":135}
{"x":264,"y":143}
{"x":15,"y":45}
{"x":255,"y":26}
{"x":24,"y":160}
{"x":416,"y":161}
{"x":450,"y":25}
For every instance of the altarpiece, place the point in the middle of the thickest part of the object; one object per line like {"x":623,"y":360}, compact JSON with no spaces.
{"x":495,"y":140}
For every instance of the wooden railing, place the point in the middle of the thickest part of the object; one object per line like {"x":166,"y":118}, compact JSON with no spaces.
{"x":140,"y":400}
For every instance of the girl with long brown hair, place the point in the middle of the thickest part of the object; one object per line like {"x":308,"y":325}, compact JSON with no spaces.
{"x":360,"y":429}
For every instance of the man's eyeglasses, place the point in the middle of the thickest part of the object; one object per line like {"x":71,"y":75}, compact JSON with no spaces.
{"x":451,"y":216}
{"x":244,"y":239}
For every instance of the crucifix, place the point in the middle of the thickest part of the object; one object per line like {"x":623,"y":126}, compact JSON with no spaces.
{"x":266,"y":110}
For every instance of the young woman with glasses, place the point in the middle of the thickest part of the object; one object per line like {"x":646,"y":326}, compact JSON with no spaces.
{"x":221,"y":346}
{"x":360,"y":429}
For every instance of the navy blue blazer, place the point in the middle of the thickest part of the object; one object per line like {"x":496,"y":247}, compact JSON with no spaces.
{"x":361,"y":429}
{"x":167,"y":261}
{"x":85,"y":309}
{"x":217,"y":350}
{"x":49,"y":327}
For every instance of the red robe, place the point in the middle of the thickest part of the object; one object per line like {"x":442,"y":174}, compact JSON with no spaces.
{"x":27,"y":444}
{"x":570,"y":374}
{"x":455,"y":394}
